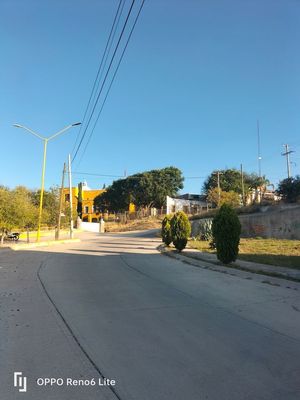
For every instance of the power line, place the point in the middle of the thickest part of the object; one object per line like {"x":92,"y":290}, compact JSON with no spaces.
{"x":103,"y":83}
{"x":113,"y":78}
{"x":108,"y":50}
{"x":123,"y":177}
{"x":92,"y":174}
{"x":114,"y":25}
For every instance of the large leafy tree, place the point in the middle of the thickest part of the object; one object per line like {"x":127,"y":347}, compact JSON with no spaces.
{"x":146,"y":189}
{"x":16,"y":210}
{"x":289,"y":189}
{"x":25,"y":212}
{"x":6,"y":212}
{"x":50,"y":204}
{"x":230,"y":180}
{"x":116,"y":198}
{"x":219,"y":198}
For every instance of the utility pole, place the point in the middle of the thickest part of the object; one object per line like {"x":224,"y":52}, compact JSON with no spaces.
{"x":60,"y":202}
{"x":242,"y":181}
{"x":219,"y":186}
{"x":288,"y":163}
{"x":258,"y":150}
{"x":219,"y":189}
{"x":71,"y":202}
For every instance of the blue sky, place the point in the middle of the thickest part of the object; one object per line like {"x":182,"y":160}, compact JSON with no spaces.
{"x":195,"y":78}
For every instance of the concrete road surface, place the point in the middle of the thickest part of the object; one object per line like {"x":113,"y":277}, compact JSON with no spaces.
{"x":111,"y":308}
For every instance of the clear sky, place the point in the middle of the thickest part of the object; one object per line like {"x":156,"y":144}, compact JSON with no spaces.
{"x":195,"y":78}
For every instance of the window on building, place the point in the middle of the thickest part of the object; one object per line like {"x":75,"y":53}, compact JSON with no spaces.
{"x":67,"y":197}
{"x":86,"y":209}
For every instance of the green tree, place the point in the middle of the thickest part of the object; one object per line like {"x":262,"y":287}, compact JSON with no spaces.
{"x":289,"y":189}
{"x":232,"y":198}
{"x":166,"y":232}
{"x":25,"y":212}
{"x":180,"y":230}
{"x":226,"y":229}
{"x":50,"y":204}
{"x":16,"y":210}
{"x":230,"y":180}
{"x":147,"y":189}
{"x":115,"y":199}
{"x":7,"y":219}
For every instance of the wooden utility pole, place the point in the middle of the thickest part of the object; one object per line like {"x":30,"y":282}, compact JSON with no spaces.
{"x":243,"y":188}
{"x":288,"y":163}
{"x":258,"y":150}
{"x":60,"y":202}
{"x":219,"y":189}
{"x":71,"y":202}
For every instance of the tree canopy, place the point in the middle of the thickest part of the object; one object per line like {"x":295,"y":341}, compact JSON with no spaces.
{"x":146,"y":189}
{"x":230,"y":180}
{"x":289,"y":189}
{"x":231,"y":198}
{"x":17,"y":210}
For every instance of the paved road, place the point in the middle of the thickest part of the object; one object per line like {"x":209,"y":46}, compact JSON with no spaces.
{"x":162,"y":329}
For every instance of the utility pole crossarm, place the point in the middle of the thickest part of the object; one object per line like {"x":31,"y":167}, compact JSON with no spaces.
{"x":287,"y":155}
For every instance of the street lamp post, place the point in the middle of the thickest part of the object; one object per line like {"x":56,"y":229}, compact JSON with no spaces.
{"x":45,"y":140}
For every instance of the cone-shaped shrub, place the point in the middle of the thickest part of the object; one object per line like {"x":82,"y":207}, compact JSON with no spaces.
{"x":166,"y":233}
{"x":226,"y":229}
{"x":181,"y":230}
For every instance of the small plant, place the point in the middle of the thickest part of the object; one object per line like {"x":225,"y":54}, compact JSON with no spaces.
{"x":166,"y":233}
{"x":226,"y":229}
{"x":181,"y":230}
{"x":205,"y":229}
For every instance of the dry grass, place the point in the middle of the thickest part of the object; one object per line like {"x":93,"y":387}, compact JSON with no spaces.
{"x":135,"y":225}
{"x":285,"y":253}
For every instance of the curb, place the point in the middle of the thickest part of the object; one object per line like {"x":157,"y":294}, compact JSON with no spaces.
{"x":209,"y":264}
{"x":24,"y":246}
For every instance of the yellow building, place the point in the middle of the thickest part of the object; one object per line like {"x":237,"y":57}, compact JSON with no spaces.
{"x":88,"y":196}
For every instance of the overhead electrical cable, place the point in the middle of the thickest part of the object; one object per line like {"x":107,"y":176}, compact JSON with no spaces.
{"x":130,"y":176}
{"x":103,"y":83}
{"x":108,"y":51}
{"x":104,"y":56}
{"x":113,"y":78}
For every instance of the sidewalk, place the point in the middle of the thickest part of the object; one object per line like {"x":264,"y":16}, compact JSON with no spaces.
{"x":263,"y":269}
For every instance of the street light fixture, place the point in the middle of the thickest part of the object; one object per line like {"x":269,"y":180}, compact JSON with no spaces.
{"x":45,"y":140}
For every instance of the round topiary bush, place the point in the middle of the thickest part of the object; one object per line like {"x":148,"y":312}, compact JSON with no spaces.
{"x":181,"y":230}
{"x":226,"y":229}
{"x":166,"y":233}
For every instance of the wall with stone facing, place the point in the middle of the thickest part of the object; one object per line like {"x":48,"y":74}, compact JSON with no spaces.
{"x":276,"y":222}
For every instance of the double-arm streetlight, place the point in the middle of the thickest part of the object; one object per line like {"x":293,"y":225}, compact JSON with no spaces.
{"x":45,"y":140}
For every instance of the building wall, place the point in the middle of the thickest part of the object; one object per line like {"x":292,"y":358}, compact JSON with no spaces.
{"x":280,"y":224}
{"x":88,"y":213}
{"x":276,"y":222}
{"x":188,"y":206}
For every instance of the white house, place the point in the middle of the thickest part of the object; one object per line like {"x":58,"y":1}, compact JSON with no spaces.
{"x":189,"y":203}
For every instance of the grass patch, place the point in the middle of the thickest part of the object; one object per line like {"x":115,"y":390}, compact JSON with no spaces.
{"x":134,"y":225}
{"x":278,"y":252}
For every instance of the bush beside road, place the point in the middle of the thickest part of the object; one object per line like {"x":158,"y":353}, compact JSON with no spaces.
{"x":277,"y":252}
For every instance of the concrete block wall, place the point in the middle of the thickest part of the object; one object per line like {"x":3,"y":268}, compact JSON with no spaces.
{"x":279,"y":223}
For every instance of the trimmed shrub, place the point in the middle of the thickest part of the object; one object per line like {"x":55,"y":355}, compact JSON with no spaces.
{"x":181,"y":230}
{"x":166,"y":233}
{"x":226,"y":229}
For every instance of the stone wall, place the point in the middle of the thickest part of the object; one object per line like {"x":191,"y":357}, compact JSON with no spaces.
{"x":276,"y":222}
